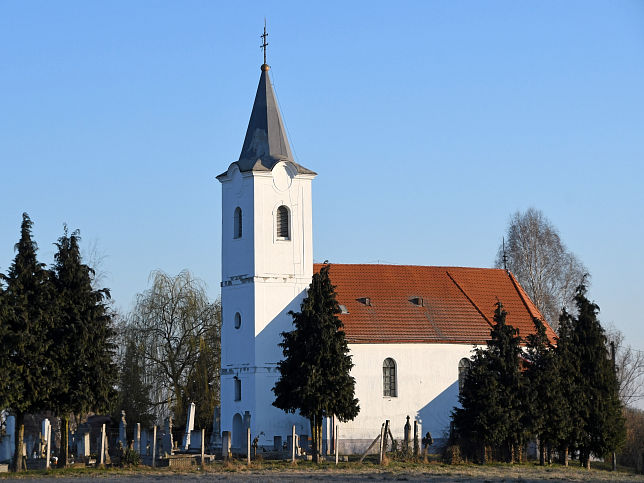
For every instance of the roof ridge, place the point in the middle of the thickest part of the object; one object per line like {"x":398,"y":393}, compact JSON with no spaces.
{"x":468,"y":298}
{"x":522,"y":295}
{"x":407,"y":265}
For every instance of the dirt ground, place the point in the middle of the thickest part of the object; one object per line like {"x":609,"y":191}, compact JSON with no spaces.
{"x":278,"y":472}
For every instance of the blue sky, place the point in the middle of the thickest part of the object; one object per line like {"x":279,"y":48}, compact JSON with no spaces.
{"x":429,"y":124}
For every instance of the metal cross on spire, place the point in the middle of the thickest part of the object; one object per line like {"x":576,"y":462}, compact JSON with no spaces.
{"x":264,"y":43}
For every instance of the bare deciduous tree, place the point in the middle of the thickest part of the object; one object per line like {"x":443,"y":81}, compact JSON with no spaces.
{"x":629,"y":364}
{"x":541,"y":263}
{"x":171,"y":320}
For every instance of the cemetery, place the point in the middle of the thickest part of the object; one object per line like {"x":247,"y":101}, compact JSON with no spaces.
{"x":95,"y":443}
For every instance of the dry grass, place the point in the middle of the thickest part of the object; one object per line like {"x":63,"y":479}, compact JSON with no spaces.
{"x":269,"y":470}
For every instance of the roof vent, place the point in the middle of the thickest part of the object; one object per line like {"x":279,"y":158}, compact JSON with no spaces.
{"x":417,"y":301}
{"x":343,"y":309}
{"x":365,"y":300}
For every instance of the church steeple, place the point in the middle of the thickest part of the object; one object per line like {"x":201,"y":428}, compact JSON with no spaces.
{"x":265,"y":142}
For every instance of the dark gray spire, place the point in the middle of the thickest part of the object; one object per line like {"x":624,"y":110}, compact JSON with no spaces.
{"x":266,"y":143}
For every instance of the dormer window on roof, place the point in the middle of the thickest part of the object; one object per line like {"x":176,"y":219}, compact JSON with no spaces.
{"x":417,"y":301}
{"x":365,"y":300}
{"x":343,"y":309}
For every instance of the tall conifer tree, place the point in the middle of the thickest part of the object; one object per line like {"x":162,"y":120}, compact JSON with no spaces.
{"x":134,"y":391}
{"x":315,"y":372}
{"x":83,"y":336}
{"x":26,"y":342}
{"x":596,"y":411}
{"x":546,"y":406}
{"x":492,"y":398}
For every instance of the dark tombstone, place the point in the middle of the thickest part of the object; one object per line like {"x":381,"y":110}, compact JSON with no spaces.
{"x":427,"y":442}
{"x":407,"y":434}
{"x":277,"y":443}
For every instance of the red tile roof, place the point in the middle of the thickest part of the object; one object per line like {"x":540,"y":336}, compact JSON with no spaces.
{"x":457,"y":303}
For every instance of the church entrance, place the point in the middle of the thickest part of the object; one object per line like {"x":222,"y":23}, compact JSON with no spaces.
{"x":238,"y":430}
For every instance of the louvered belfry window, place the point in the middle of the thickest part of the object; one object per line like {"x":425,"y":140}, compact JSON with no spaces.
{"x":282,"y":222}
{"x":389,"y":378}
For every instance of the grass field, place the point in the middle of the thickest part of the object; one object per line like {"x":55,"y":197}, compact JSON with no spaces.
{"x":351,"y":471}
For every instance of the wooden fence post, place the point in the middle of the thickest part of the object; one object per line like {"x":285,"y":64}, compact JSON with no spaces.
{"x":154,"y":445}
{"x":248,"y":446}
{"x":293,"y":444}
{"x":336,"y":445}
{"x":102,"y":446}
{"x":203,"y":444}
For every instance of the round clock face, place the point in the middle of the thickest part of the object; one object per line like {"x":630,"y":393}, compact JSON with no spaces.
{"x":282,"y":176}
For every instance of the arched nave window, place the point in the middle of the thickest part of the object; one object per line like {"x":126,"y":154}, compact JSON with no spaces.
{"x":282,"y":223}
{"x":237,"y":223}
{"x":389,"y":378}
{"x":463,"y":367}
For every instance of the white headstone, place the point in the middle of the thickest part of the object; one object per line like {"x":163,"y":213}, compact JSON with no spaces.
{"x":122,"y":430}
{"x":85,"y":445}
{"x":48,"y":454}
{"x":137,"y":438}
{"x":190,"y":424}
{"x":44,"y":430}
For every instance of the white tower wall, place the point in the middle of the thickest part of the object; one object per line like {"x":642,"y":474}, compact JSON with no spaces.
{"x":263,"y":278}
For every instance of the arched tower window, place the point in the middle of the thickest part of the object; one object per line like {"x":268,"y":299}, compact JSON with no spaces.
{"x":237,"y":388}
{"x":282,"y":223}
{"x":237,"y":320}
{"x":463,"y":368}
{"x":237,"y":223}
{"x":389,"y":378}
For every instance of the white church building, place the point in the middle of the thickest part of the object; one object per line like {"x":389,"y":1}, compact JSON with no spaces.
{"x":410,"y":329}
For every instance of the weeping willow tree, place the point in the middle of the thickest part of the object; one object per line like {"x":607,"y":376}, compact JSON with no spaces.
{"x":178,"y":332}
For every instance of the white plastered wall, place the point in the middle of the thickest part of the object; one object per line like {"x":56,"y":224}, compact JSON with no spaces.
{"x":263,"y":277}
{"x":427,"y":389}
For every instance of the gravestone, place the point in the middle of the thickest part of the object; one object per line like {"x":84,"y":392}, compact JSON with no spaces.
{"x":195,"y":440}
{"x":407,"y":434}
{"x":168,"y":443}
{"x":277,"y":443}
{"x":215,"y":437}
{"x":85,"y":442}
{"x":82,"y":440}
{"x":145,"y":442}
{"x":137,"y":438}
{"x":45,"y":428}
{"x":122,"y":430}
{"x":190,"y":424}
{"x":7,"y":443}
{"x":225,"y":445}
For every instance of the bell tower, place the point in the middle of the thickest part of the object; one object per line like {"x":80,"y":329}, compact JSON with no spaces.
{"x":267,"y":265}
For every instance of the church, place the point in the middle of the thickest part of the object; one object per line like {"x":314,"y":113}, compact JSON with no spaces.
{"x":410,"y":329}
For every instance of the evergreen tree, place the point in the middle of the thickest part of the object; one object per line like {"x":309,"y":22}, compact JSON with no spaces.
{"x":5,"y":395}
{"x":134,"y":391}
{"x":84,"y":351}
{"x":596,"y":411}
{"x":493,"y":398}
{"x":26,"y":342}
{"x":203,"y":388}
{"x":546,"y":407}
{"x":568,"y":373}
{"x":315,"y":372}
